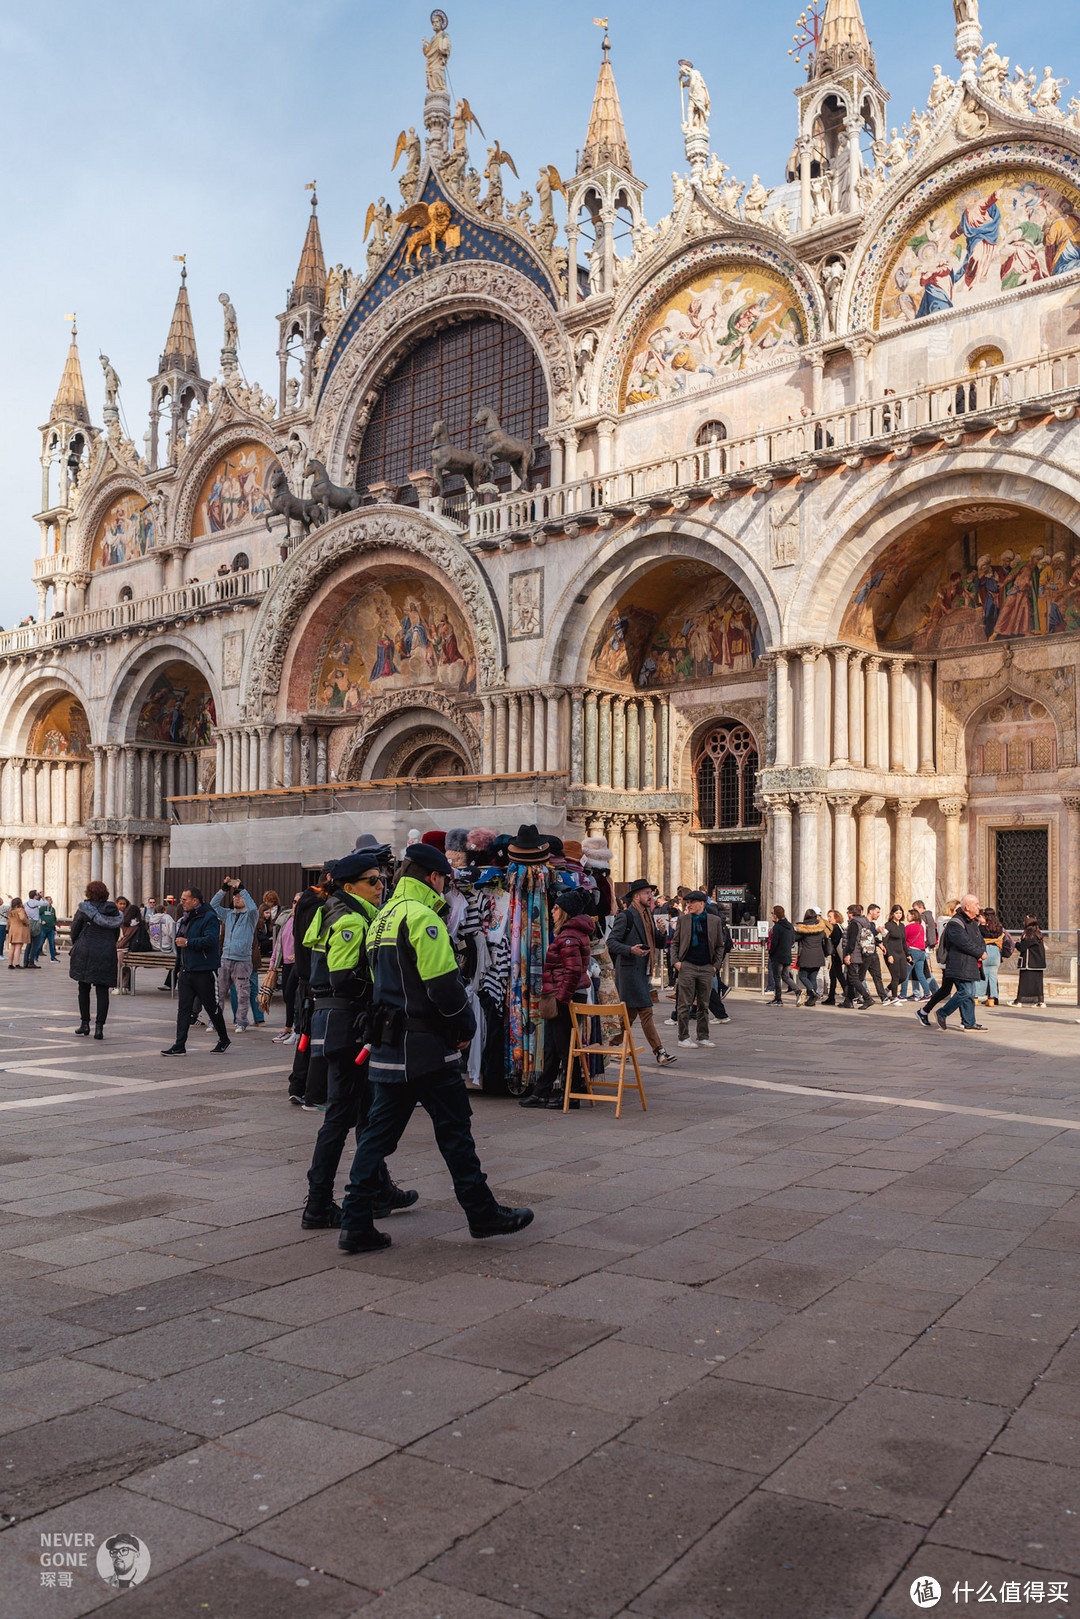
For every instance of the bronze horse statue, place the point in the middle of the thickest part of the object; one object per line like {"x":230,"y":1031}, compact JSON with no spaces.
{"x":330,"y":496}
{"x":292,"y":507}
{"x":499,"y":446}
{"x":446,"y":459}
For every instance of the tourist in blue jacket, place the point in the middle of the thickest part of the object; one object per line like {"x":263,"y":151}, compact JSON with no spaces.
{"x":198,"y":954}
{"x":235,"y":907}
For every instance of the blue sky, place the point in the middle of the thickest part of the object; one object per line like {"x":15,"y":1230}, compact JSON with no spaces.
{"x":131,"y":133}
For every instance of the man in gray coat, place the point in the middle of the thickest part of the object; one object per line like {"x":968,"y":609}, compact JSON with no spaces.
{"x":633,"y":944}
{"x":698,"y":957}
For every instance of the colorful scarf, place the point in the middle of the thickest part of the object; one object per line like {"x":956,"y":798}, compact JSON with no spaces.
{"x":528,"y":927}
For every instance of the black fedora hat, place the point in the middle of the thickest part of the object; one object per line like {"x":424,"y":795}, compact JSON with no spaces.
{"x":528,"y":847}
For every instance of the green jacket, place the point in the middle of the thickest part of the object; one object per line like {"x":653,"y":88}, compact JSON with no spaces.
{"x":317,"y":937}
{"x":422,"y":1012}
{"x":346,"y":959}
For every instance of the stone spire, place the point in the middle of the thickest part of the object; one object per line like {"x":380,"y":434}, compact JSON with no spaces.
{"x":843,"y":41}
{"x":310,"y":284}
{"x":70,"y":402}
{"x":606,"y":141}
{"x":180,"y":353}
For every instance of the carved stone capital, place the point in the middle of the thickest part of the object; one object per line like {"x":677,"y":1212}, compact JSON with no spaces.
{"x":904,"y":807}
{"x":951,"y":807}
{"x":1071,"y":801}
{"x":843,"y":803}
{"x":871,"y":806}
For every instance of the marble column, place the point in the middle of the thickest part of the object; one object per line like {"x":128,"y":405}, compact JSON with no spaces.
{"x":896,"y":714}
{"x":37,"y":865}
{"x":952,"y":809}
{"x":157,"y":807}
{"x":513,"y":734}
{"x":288,"y":745}
{"x":108,"y":863}
{"x":501,"y":735}
{"x":784,"y":714}
{"x":487,"y":739}
{"x":99,"y":782}
{"x":901,"y":894}
{"x":653,"y":863}
{"x":129,"y":764}
{"x":856,"y":710}
{"x":614,"y":835}
{"x":843,"y":885}
{"x":926,"y":719}
{"x":779,"y":811}
{"x":305,"y":759}
{"x":61,"y":898}
{"x":145,"y":810}
{"x":633,"y":744}
{"x":577,"y":736}
{"x":219,"y":763}
{"x":31,"y":807}
{"x":868,"y":813}
{"x":321,"y":766}
{"x":663,"y":746}
{"x":603,"y":742}
{"x":73,"y":795}
{"x":527,"y":762}
{"x":112,"y":783}
{"x":45,"y":805}
{"x":809,"y":807}
{"x":807,"y":717}
{"x":840,"y":707}
{"x":266,"y":737}
{"x":1072,"y":913}
{"x":95,"y":859}
{"x":618,"y":742}
{"x":677,"y":825}
{"x":554,"y":748}
{"x":591,"y":739}
{"x":127,"y":868}
{"x":648,"y":737}
{"x":631,"y":850}
{"x":149,"y":875}
{"x":875,"y":752}
{"x":539,"y":733}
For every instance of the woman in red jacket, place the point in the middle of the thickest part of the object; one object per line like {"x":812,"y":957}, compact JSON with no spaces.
{"x":566,"y":979}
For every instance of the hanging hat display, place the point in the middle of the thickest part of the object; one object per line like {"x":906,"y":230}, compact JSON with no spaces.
{"x":528,"y":848}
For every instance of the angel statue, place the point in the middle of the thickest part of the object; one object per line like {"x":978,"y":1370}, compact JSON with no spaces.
{"x":112,"y":381}
{"x":492,"y":204}
{"x":437,"y":52}
{"x":697,"y":94}
{"x":993,"y":70}
{"x":381,"y":217}
{"x":231,"y":335}
{"x":548,"y":182}
{"x":940,"y":90}
{"x":410,"y":145}
{"x":966,"y":11}
{"x":463,"y":117}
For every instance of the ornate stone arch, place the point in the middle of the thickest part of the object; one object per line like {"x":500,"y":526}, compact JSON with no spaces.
{"x":439,"y":712}
{"x":115,"y":484}
{"x":352,"y":535}
{"x":452,"y":290}
{"x":33,"y":696}
{"x":902,"y":201}
{"x":133,"y":676}
{"x":867,"y":515}
{"x":665,"y":278}
{"x":965,"y":701}
{"x":690,"y":724}
{"x":628,"y":554}
{"x":197,"y":468}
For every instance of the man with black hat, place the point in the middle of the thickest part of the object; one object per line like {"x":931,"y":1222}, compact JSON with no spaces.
{"x":633,"y":944}
{"x":422,"y":1022}
{"x":353,"y":905}
{"x":698,"y":957}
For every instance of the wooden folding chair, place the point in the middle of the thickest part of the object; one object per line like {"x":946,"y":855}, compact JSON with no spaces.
{"x":598,"y":1087}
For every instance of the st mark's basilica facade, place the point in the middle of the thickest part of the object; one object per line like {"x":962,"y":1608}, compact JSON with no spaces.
{"x":748,"y":537}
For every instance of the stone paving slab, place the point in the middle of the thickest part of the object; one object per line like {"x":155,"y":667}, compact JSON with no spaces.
{"x":762,"y":1352}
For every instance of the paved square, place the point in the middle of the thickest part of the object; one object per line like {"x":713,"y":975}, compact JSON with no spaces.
{"x":804,"y":1330}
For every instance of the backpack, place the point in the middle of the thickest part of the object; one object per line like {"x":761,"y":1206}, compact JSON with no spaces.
{"x":1007,"y":946}
{"x":868,"y":940}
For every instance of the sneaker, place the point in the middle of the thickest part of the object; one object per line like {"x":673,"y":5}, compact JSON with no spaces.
{"x":280,"y":1039}
{"x":923,"y":1017}
{"x":222,"y":1046}
{"x":534,"y":1099}
{"x":672,"y":1022}
{"x":174,"y":1051}
{"x":297,"y":1101}
{"x":969,"y":1028}
{"x":500,"y":1222}
{"x":939,"y":1018}
{"x":363,"y":1242}
{"x":691,"y":1045}
{"x":313,"y":1107}
{"x":664,"y":1059}
{"x":706,"y":1042}
{"x":398,"y":1199}
{"x":240,"y":1028}
{"x":199,"y":1024}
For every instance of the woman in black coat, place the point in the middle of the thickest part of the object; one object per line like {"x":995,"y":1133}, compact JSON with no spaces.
{"x":95,"y":929}
{"x":781,"y":949}
{"x":896,"y":951}
{"x":836,"y":958}
{"x":1031,"y":950}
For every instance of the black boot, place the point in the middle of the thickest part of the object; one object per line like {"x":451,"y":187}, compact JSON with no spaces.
{"x":394,"y":1201}
{"x":84,"y":1028}
{"x":500,"y":1222}
{"x":316,"y":1218}
{"x":535,"y":1099}
{"x":99,"y":1031}
{"x":363,"y":1242}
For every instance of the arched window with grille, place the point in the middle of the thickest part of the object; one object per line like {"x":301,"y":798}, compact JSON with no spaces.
{"x":725,"y":778}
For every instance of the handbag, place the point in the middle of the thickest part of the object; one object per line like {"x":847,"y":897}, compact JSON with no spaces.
{"x":549,"y":1006}
{"x":1007,"y":946}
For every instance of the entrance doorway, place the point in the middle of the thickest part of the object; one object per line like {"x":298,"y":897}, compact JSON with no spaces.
{"x":1022,"y":875}
{"x":736,"y":865}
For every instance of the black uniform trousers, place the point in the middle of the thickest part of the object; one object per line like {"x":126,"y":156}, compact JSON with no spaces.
{"x":301,"y":1026}
{"x":198,"y":986}
{"x":348,"y":1102}
{"x":446,"y":1102}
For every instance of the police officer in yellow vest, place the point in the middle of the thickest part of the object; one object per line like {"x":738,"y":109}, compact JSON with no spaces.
{"x":343,"y":983}
{"x":421,"y":1022}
